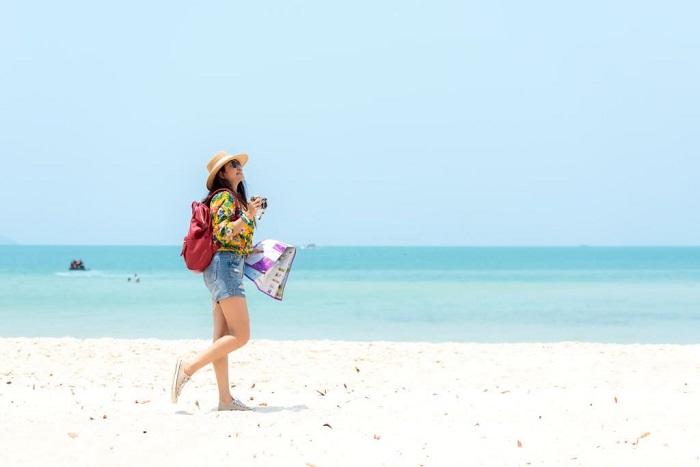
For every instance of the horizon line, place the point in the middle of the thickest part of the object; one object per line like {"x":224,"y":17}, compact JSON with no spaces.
{"x":317,"y":245}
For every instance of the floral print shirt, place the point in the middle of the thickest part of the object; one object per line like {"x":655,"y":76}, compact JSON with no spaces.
{"x":225,"y":209}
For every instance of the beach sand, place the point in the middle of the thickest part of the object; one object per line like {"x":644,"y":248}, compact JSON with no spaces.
{"x":107,"y":402}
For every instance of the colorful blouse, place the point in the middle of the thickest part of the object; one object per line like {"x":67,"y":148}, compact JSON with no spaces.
{"x":225,"y":209}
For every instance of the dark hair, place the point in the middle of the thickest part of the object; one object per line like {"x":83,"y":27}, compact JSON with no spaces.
{"x":240,"y":192}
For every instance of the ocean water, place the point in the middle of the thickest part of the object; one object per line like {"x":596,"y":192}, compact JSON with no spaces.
{"x":590,"y":294}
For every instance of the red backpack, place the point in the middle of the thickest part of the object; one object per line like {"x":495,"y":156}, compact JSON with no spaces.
{"x":199,"y":246}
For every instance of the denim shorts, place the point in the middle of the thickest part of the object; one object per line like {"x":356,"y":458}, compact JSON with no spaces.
{"x":224,"y":276}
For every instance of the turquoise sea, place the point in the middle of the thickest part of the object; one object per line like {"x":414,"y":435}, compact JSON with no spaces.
{"x":433,"y":294}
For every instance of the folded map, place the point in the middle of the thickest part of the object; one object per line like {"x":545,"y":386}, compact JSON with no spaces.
{"x":270,"y":268}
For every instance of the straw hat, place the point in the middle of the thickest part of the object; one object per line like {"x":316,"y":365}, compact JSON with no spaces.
{"x":219,"y":160}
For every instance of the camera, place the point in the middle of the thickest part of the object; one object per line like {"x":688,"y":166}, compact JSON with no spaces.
{"x":263,"y":202}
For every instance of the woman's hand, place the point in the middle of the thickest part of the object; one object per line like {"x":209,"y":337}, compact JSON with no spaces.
{"x":253,"y":207}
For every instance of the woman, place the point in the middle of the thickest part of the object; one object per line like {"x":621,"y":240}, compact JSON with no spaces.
{"x":233,"y":221}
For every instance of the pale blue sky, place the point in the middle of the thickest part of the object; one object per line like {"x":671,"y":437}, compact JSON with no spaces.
{"x":367,"y":123}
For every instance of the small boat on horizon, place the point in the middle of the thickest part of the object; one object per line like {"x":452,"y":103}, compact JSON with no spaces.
{"x":77,"y":265}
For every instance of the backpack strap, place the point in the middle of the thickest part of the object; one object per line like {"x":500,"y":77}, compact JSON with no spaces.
{"x":208,"y":199}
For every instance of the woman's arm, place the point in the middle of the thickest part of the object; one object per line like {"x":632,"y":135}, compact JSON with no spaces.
{"x":224,"y":219}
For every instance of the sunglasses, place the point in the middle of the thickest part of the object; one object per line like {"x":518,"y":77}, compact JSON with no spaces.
{"x":235,"y":164}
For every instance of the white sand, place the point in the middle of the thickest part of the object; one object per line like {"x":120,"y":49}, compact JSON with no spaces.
{"x":107,"y":402}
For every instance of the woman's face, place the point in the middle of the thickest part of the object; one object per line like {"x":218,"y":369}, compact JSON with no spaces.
{"x":233,"y":172}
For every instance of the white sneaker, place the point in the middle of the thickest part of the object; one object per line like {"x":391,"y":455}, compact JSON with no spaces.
{"x":179,"y":380}
{"x":234,"y":405}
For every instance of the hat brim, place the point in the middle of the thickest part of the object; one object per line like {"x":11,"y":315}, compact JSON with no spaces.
{"x":242,"y":158}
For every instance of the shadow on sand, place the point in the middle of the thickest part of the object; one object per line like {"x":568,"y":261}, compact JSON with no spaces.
{"x":293,"y":408}
{"x":273,"y":409}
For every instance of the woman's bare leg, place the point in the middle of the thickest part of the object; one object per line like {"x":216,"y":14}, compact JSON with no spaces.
{"x":234,"y":311}
{"x":221,"y":365}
